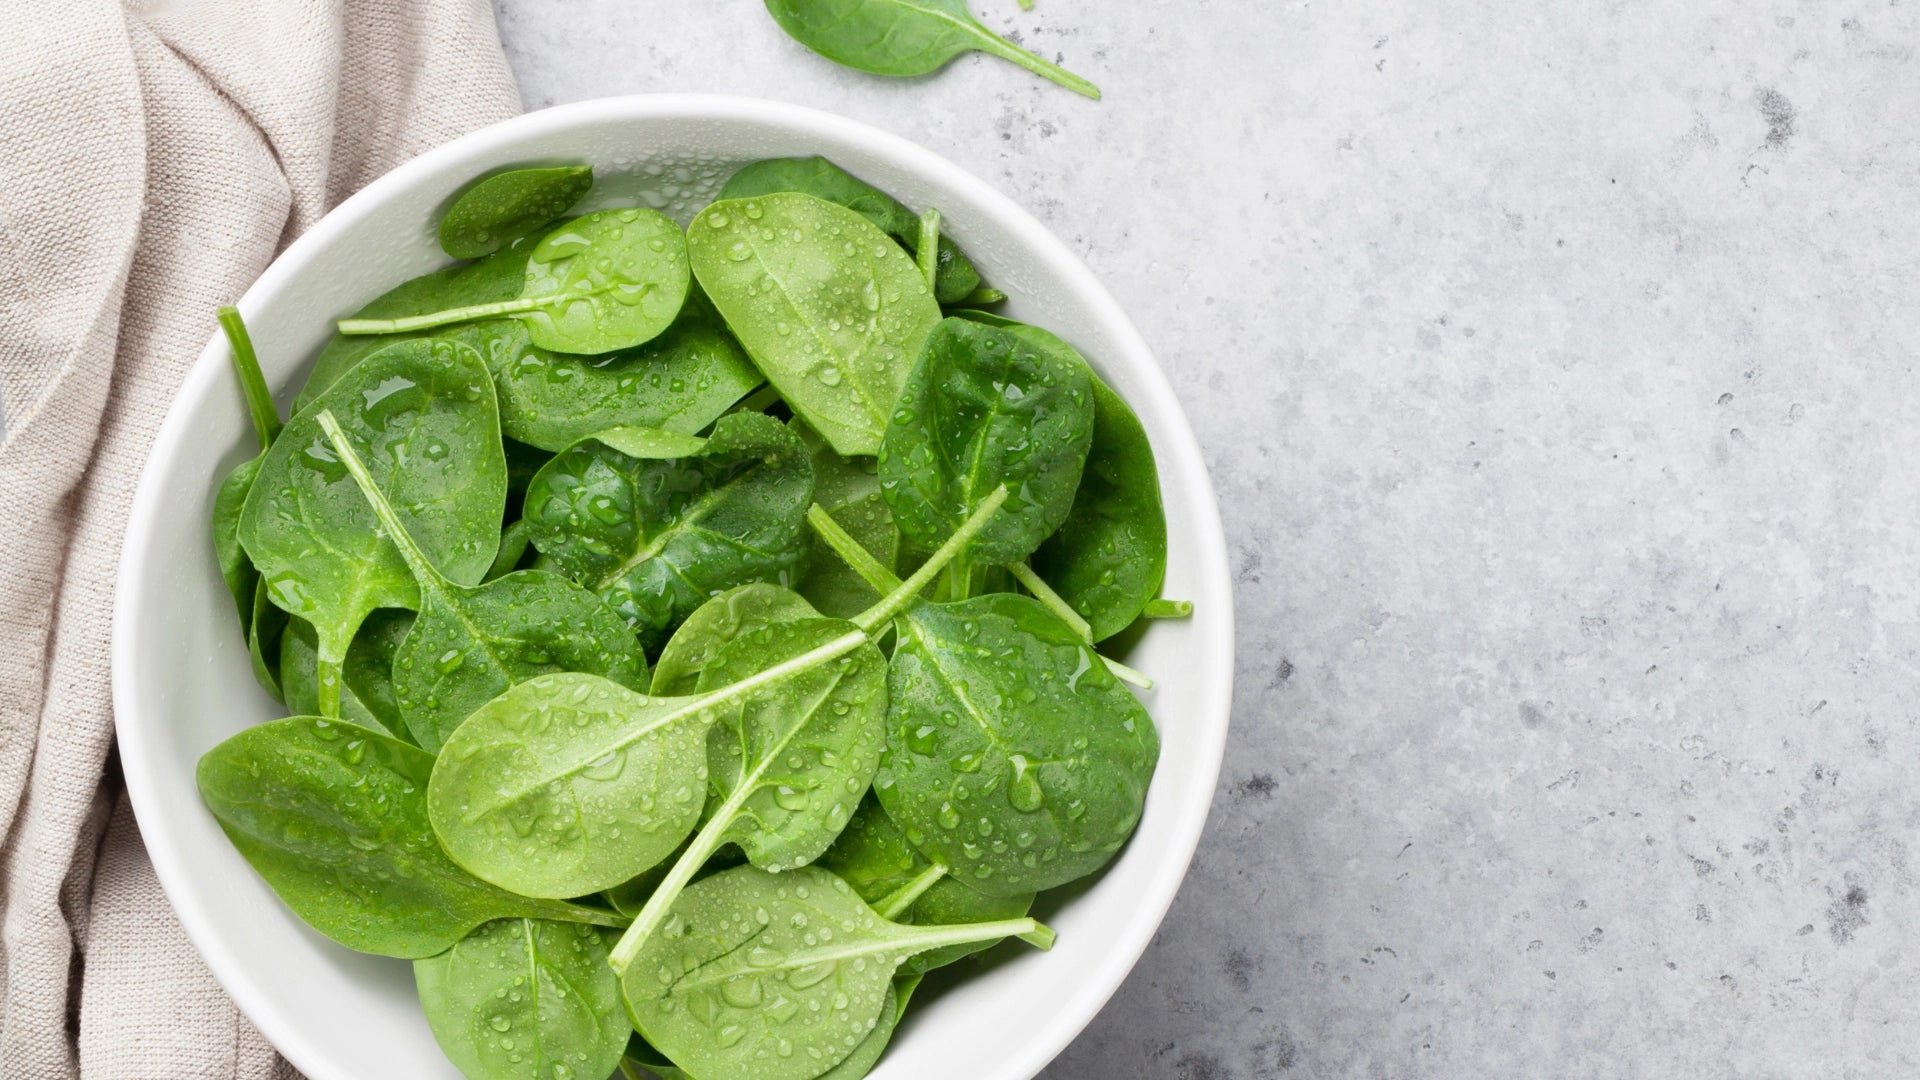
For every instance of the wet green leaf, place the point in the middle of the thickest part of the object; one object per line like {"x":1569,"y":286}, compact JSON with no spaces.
{"x":502,"y":208}
{"x":905,"y":37}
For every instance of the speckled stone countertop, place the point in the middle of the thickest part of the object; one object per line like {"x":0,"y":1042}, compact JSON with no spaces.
{"x":1556,"y":368}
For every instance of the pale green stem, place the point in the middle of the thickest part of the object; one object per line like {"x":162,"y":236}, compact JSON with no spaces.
{"x":928,"y":253}
{"x":596,"y":917}
{"x":703,"y":845}
{"x":329,"y":665}
{"x":253,"y":384}
{"x":1167,"y":609}
{"x":890,"y":605}
{"x":851,"y":551}
{"x":1007,"y":50}
{"x":895,"y":904}
{"x":926,"y":938}
{"x":1126,"y":674}
{"x":451,"y":315}
{"x":1056,"y":603}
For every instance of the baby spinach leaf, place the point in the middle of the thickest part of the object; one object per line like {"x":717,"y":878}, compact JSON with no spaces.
{"x":422,"y":416}
{"x":714,"y":625}
{"x":874,"y":856}
{"x":1013,"y":756}
{"x":822,"y":179}
{"x":1109,"y":558}
{"x":470,"y":643}
{"x":332,"y":815}
{"x":569,"y":784}
{"x":369,"y":668}
{"x":657,"y":522}
{"x":265,"y":625}
{"x":525,"y":999}
{"x":681,"y":381}
{"x":830,"y":309}
{"x":725,"y":992}
{"x":787,"y":768}
{"x":235,"y":568}
{"x":261,"y":624}
{"x":905,"y":37}
{"x":986,"y":407}
{"x":606,"y":281}
{"x":868,"y":1053}
{"x":300,"y":681}
{"x":502,"y":208}
{"x":513,"y":548}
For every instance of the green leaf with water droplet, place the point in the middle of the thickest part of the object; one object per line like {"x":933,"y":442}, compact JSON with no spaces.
{"x":905,"y":37}
{"x":525,"y":999}
{"x":775,"y":976}
{"x":986,"y":407}
{"x":333,"y":816}
{"x":830,"y":308}
{"x":607,"y":281}
{"x":422,"y":416}
{"x":298,"y":666}
{"x":714,"y":625}
{"x":1013,"y":756}
{"x":822,"y":179}
{"x":501,"y":208}
{"x":1109,"y":558}
{"x":848,"y":489}
{"x":657,"y":522}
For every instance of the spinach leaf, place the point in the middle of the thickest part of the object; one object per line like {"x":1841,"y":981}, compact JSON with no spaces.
{"x":874,"y":856}
{"x":606,"y":281}
{"x":332,"y":815}
{"x":868,"y":1053}
{"x":828,"y":306}
{"x":513,"y":548}
{"x":236,"y":568}
{"x":369,"y":669}
{"x":905,"y":37}
{"x":422,"y":416}
{"x":502,"y":208}
{"x":471,"y":643}
{"x":725,"y":992}
{"x":656,"y":522}
{"x":822,"y":179}
{"x":714,"y":625}
{"x":985,"y":407}
{"x":1013,"y":756}
{"x":525,"y":999}
{"x":681,"y":381}
{"x":298,"y":666}
{"x":265,"y":626}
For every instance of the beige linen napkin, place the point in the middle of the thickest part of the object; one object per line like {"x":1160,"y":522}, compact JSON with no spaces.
{"x":153,"y":158}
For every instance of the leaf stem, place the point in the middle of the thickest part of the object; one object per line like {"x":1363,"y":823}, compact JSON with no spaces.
{"x":1167,"y":609}
{"x":698,"y":850}
{"x":851,"y":551}
{"x":919,"y":939}
{"x":928,"y":253}
{"x":451,"y":315}
{"x":1056,"y":603}
{"x":330,"y":661}
{"x":1007,"y":50}
{"x":890,"y":604}
{"x":253,"y":384}
{"x":389,"y":519}
{"x":1126,"y":674}
{"x":895,"y":903}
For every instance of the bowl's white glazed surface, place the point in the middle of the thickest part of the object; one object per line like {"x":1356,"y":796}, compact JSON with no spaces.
{"x":182,"y":681}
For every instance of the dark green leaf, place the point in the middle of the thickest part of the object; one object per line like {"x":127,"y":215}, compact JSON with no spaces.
{"x":504,"y":207}
{"x":657,"y":522}
{"x":525,"y":999}
{"x":985,"y":407}
{"x":905,"y":37}
{"x":848,"y":489}
{"x":828,"y":306}
{"x":369,"y":669}
{"x":332,"y":815}
{"x":235,"y":568}
{"x":822,"y":179}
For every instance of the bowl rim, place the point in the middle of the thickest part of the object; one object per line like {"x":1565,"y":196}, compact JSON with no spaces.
{"x":1184,"y":467}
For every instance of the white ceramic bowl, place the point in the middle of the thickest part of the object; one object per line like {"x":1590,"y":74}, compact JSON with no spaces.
{"x":182,"y":682}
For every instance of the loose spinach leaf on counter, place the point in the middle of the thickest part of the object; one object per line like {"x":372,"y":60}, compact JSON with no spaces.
{"x":829,"y":307}
{"x":506,"y":206}
{"x":470,"y":643}
{"x":525,"y":999}
{"x":657,"y":522}
{"x":698,"y":989}
{"x":422,"y":416}
{"x":822,"y":179}
{"x":609,"y":280}
{"x":985,"y":407}
{"x":905,"y":37}
{"x":333,"y":816}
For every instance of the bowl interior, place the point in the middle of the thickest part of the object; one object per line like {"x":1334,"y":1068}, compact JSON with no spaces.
{"x":182,"y":681}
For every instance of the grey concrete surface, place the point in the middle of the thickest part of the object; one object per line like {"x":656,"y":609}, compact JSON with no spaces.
{"x":1556,"y":367}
